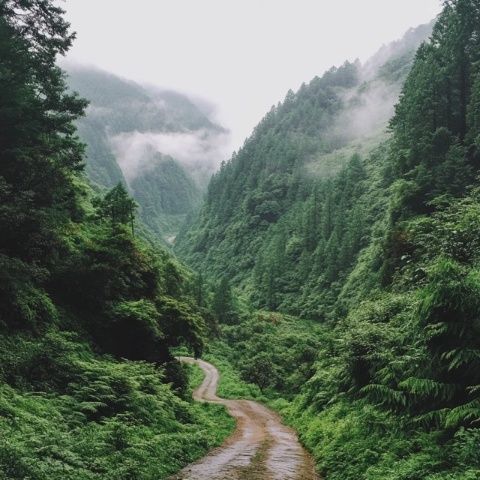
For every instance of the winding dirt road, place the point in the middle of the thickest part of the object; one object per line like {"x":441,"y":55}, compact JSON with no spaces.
{"x":261,"y":448}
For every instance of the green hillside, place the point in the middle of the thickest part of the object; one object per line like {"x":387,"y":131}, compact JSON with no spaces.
{"x":119,"y":113}
{"x":305,"y":189}
{"x":333,"y":267}
{"x":89,"y":388}
{"x":373,"y":240}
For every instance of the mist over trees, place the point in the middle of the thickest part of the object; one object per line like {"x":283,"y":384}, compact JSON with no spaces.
{"x":159,"y":143}
{"x":286,"y":218}
{"x":333,"y":267}
{"x":89,"y":313}
{"x":373,"y":236}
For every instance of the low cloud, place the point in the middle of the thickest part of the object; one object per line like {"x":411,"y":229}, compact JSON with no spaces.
{"x":368,"y":110}
{"x":199,"y":152}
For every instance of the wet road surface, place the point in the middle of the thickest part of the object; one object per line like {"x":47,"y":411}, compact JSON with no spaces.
{"x":261,"y":448}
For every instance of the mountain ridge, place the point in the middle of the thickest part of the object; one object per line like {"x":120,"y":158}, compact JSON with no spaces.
{"x":312,"y":135}
{"x":129,"y":128}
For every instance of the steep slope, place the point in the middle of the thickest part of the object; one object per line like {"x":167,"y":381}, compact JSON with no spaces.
{"x":128,"y":128}
{"x":389,"y":390}
{"x":89,"y":389}
{"x":387,"y":253}
{"x":273,"y":214}
{"x":167,"y":194}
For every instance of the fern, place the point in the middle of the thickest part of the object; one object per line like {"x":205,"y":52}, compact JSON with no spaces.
{"x":427,"y":388}
{"x":435,"y":417}
{"x":474,"y":389}
{"x":385,"y":395}
{"x":460,"y":357}
{"x":467,"y":413}
{"x":436,"y":329}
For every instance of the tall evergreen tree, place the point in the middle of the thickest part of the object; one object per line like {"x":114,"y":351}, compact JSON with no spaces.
{"x":223,"y":305}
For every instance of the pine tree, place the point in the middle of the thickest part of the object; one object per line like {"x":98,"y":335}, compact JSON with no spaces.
{"x":223,"y":305}
{"x":40,"y":152}
{"x":118,"y":207}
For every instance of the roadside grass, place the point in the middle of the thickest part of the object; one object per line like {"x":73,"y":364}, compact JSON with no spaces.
{"x":213,"y":418}
{"x":130,"y":426}
{"x":195,"y":376}
{"x":231,"y":385}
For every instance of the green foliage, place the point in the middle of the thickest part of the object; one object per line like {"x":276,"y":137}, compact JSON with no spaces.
{"x":117,"y":206}
{"x":167,"y":194}
{"x":223,"y":304}
{"x":231,"y":384}
{"x":135,"y":330}
{"x":88,"y":313}
{"x":181,"y":323}
{"x":383,"y":249}
{"x":121,"y":112}
{"x":286,"y":218}
{"x":25,"y":306}
{"x":260,"y":370}
{"x":111,"y":420}
{"x":273,"y":352}
{"x":40,"y":154}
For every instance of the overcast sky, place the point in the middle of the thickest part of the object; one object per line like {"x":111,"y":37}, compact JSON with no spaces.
{"x":243,"y":55}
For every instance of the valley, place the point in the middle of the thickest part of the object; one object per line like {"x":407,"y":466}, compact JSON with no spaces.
{"x":305,"y":308}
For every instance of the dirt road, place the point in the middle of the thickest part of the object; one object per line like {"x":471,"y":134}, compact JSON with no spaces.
{"x":261,"y":448}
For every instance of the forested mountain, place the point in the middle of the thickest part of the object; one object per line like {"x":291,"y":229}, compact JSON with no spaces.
{"x":157,"y":142}
{"x":286,"y":217}
{"x":88,"y":312}
{"x":342,"y":243}
{"x":377,"y":240}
